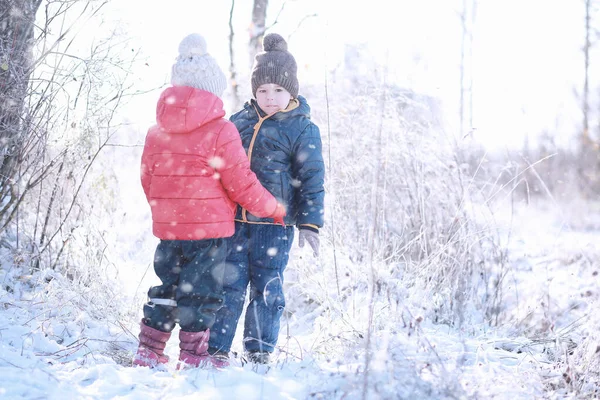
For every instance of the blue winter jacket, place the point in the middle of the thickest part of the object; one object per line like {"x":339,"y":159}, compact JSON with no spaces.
{"x":285,"y":154}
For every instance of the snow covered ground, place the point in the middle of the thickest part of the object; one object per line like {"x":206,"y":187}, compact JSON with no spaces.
{"x":60,"y":340}
{"x":72,"y":337}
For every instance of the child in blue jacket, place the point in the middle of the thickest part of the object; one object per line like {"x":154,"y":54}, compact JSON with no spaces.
{"x":284,"y":148}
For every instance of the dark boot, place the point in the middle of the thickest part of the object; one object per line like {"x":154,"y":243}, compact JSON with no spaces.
{"x":150,"y":352}
{"x":194,"y":351}
{"x":258,"y":357}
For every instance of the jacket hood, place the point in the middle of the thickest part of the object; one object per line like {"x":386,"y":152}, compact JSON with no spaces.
{"x":297,"y":106}
{"x":182,"y":109}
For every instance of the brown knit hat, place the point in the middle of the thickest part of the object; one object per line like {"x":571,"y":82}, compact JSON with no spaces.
{"x":275,"y":65}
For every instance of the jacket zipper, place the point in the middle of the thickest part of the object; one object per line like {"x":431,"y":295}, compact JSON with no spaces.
{"x":256,"y":129}
{"x":250,"y":147}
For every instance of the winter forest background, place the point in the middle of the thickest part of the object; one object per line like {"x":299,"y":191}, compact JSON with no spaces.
{"x":462,"y":143}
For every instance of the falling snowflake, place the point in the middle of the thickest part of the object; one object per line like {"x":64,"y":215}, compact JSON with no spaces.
{"x":186,"y":287}
{"x":301,"y":157}
{"x":216,"y":162}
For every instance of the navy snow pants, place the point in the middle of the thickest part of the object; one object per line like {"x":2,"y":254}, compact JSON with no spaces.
{"x":191,"y":272}
{"x":258,"y":255}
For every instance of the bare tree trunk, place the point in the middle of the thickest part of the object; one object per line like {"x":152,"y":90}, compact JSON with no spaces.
{"x":257,"y":28}
{"x":471,"y":34}
{"x":232,"y":69}
{"x":467,"y":19}
{"x":587,"y":157}
{"x":585,"y":137}
{"x":16,"y":33}
{"x":463,"y":20}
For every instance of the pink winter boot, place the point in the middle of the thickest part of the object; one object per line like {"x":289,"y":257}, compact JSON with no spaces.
{"x":150,"y":352}
{"x":194,"y":351}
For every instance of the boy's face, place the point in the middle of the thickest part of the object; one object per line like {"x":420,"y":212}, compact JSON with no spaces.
{"x":272,"y":98}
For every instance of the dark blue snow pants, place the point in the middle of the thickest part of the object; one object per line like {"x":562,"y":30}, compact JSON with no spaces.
{"x":191,"y":272}
{"x":258,"y":255}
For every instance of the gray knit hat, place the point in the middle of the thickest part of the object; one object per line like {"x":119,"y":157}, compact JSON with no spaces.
{"x":196,"y":68}
{"x":275,"y":65}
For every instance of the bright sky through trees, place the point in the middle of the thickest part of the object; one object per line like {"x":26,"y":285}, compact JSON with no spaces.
{"x":527,"y":58}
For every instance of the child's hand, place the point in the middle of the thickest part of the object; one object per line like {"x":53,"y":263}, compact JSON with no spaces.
{"x":312,"y":238}
{"x":279,"y":214}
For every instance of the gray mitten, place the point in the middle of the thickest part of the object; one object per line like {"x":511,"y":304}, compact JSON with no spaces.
{"x":311,"y":237}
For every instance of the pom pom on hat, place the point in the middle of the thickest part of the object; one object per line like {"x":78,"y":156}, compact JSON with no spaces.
{"x":275,"y":65}
{"x":274,"y":42}
{"x":196,"y":68}
{"x":193,"y":45}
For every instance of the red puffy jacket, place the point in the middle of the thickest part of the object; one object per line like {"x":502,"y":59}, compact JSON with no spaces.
{"x":194,"y":169}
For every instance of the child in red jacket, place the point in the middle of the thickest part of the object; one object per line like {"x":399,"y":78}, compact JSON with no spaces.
{"x":194,"y":172}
